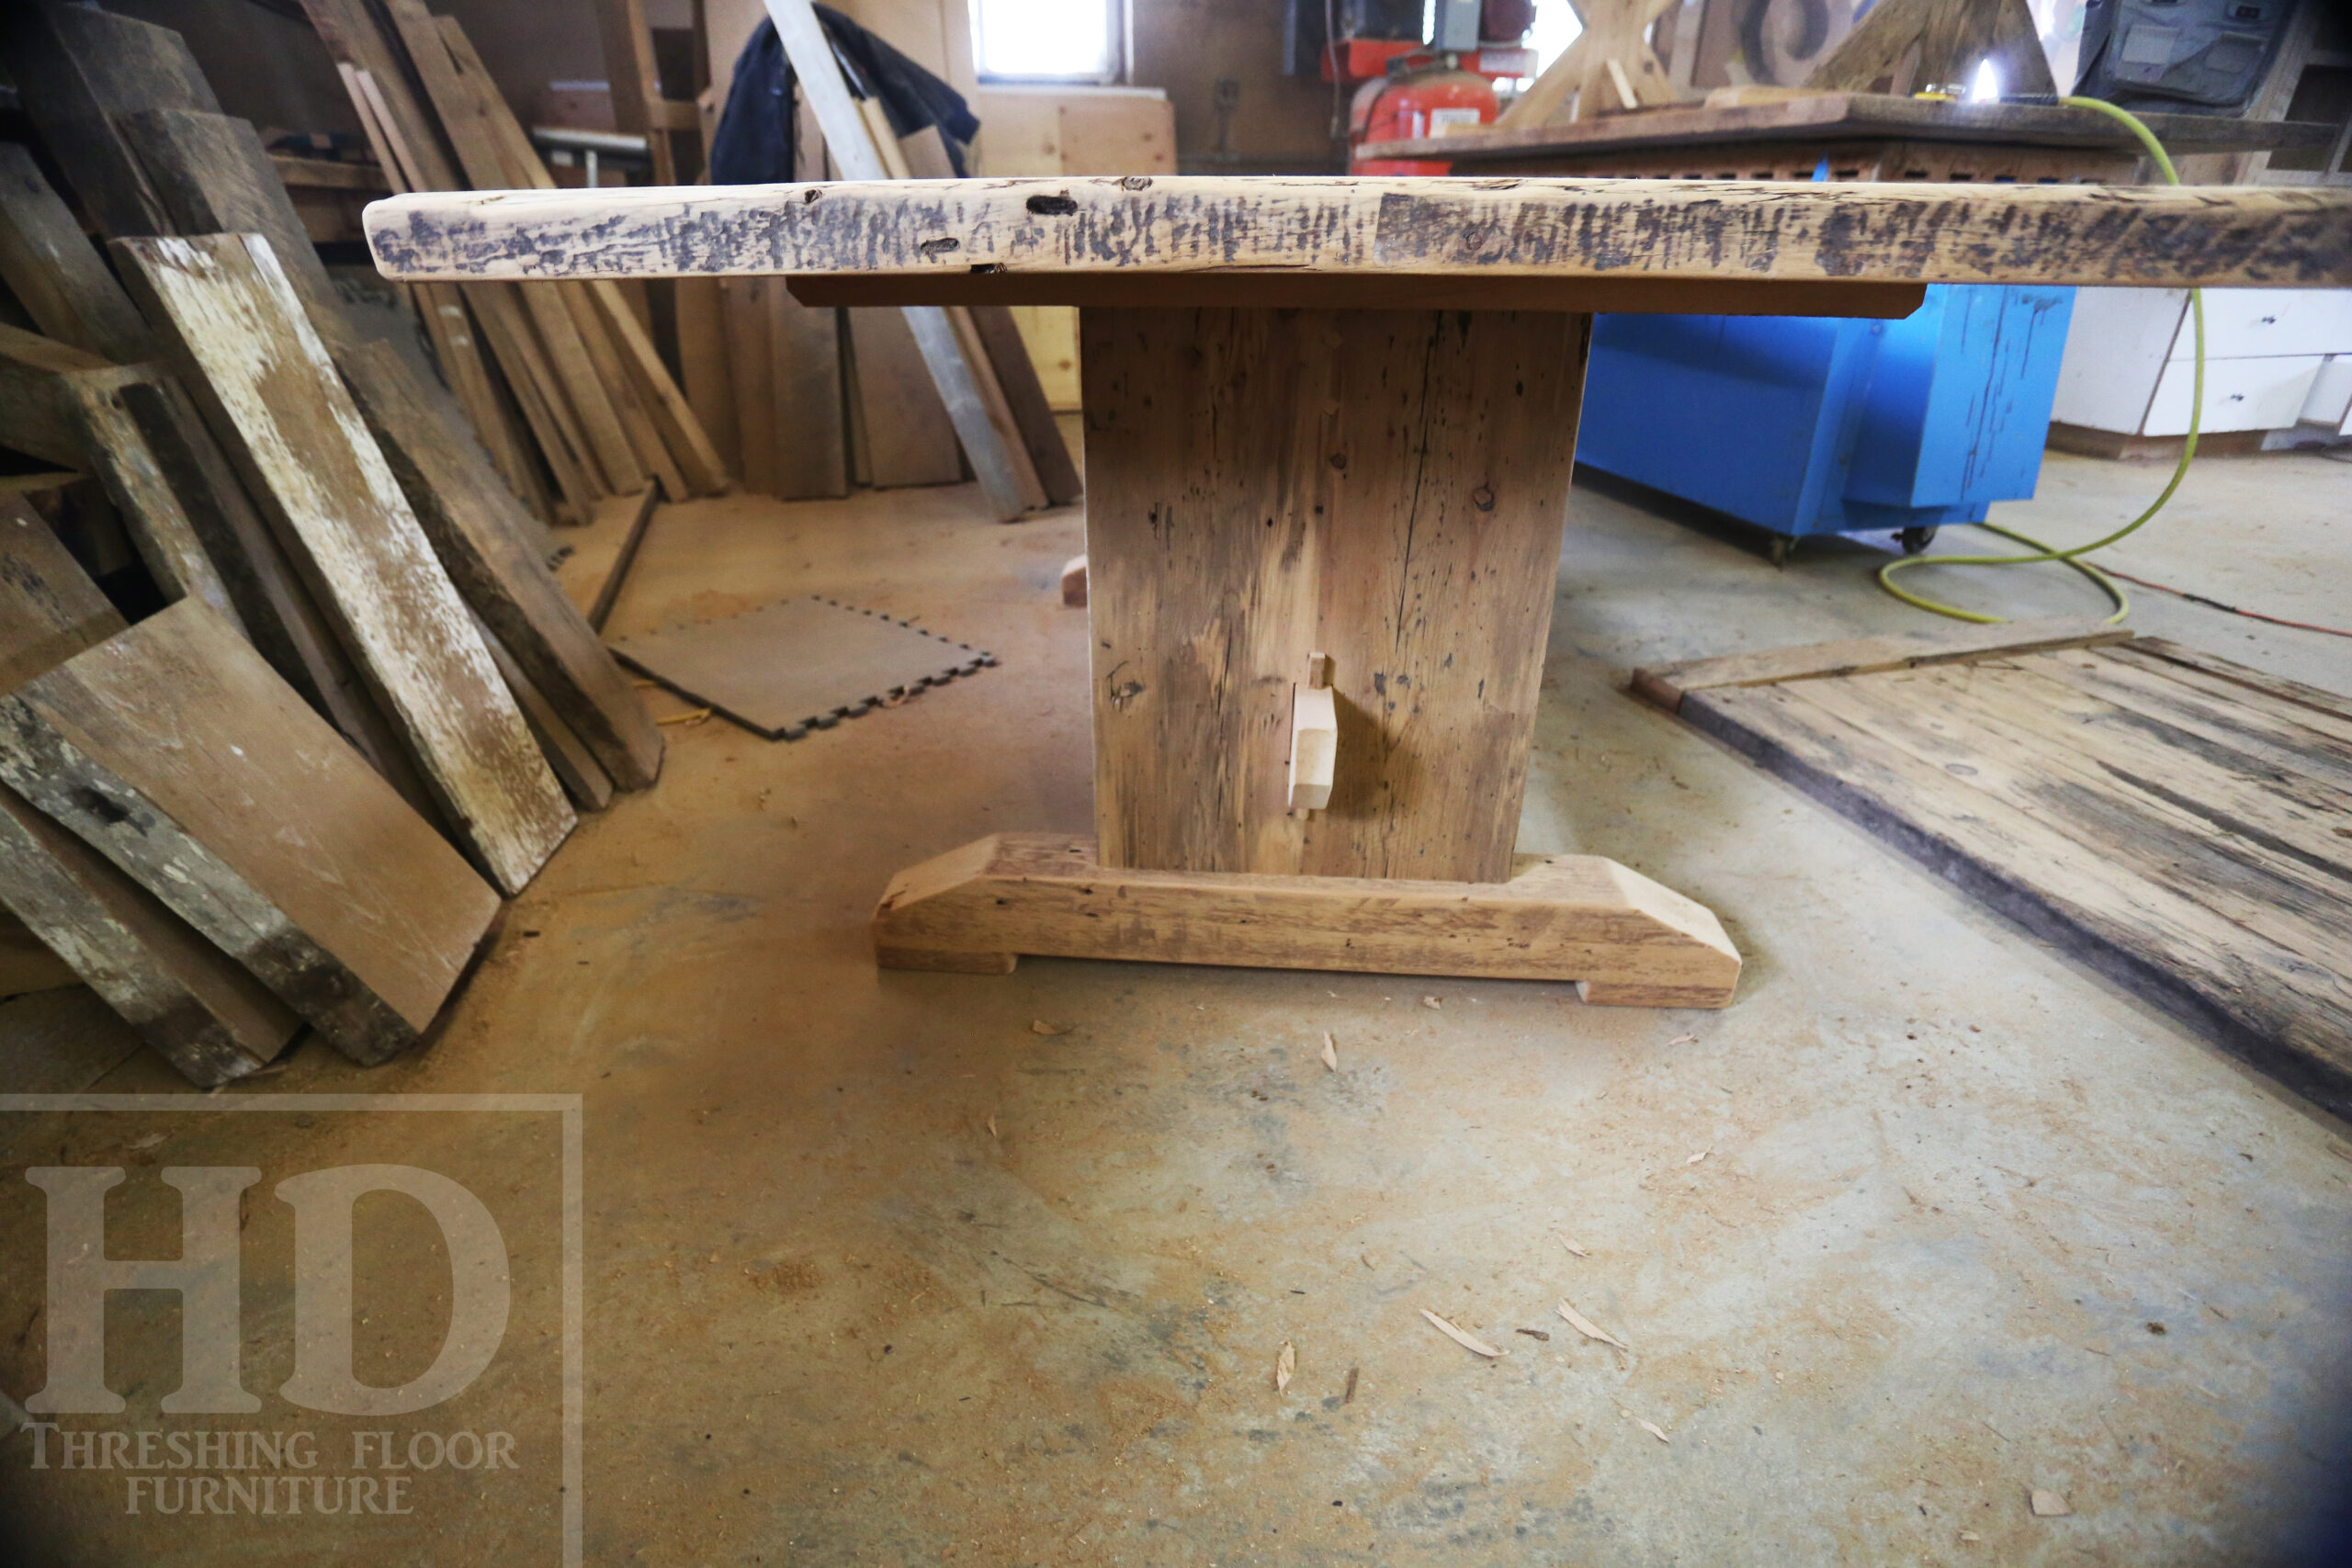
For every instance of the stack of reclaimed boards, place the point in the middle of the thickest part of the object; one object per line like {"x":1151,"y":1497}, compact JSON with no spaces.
{"x":597,"y":407}
{"x":288,"y":697}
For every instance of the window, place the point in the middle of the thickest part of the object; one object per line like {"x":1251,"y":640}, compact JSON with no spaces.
{"x":1049,"y":40}
{"x":1556,"y":27}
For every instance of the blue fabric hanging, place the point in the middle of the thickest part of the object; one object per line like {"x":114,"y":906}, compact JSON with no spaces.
{"x":754,"y":142}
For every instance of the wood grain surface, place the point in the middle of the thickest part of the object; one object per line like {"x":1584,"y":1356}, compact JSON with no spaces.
{"x":201,"y":1010}
{"x":483,"y":538}
{"x":2170,"y":818}
{"x":193,"y":1003}
{"x":1665,"y":684}
{"x":1385,"y":487}
{"x":174,"y":751}
{"x":279,"y":407}
{"x":56,"y":272}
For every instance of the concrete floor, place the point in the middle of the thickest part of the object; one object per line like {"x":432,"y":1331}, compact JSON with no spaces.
{"x":910,"y":1267}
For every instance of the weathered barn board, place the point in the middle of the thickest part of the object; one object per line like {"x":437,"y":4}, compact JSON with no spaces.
{"x":192,"y":1002}
{"x":35,"y":415}
{"x":276,"y":402}
{"x":584,"y":778}
{"x":50,"y":610}
{"x":65,"y":405}
{"x":54,"y":271}
{"x":214,"y":177}
{"x":75,"y":67}
{"x":105,"y":408}
{"x":1387,"y":489}
{"x":276,"y":610}
{"x":2172,"y":819}
{"x":483,"y":537}
{"x":2157,"y":236}
{"x":174,"y":750}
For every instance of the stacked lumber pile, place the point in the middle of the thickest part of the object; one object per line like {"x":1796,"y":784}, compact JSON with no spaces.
{"x":288,"y":696}
{"x":598,"y":408}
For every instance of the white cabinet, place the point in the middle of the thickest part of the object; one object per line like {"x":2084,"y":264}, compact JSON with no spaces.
{"x":2271,"y":356}
{"x":2240,"y":394}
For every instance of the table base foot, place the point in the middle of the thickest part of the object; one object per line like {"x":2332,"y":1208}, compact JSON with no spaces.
{"x":1626,"y":941}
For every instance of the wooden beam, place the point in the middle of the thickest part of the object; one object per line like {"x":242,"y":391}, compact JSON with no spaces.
{"x":1624,"y":939}
{"x":457,"y":97}
{"x":35,"y":417}
{"x":1610,"y":64}
{"x":1385,"y":487}
{"x":52,"y":610}
{"x":273,"y":606}
{"x":112,"y":411}
{"x":583,"y":777}
{"x":2153,"y":236}
{"x":199,"y":1008}
{"x":1943,"y":41}
{"x":277,"y":404}
{"x":75,"y":68}
{"x":214,"y":177}
{"x":637,"y":105}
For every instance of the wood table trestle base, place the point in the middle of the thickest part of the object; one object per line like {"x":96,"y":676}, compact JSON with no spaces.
{"x":1380,"y":492}
{"x":1625,"y":941}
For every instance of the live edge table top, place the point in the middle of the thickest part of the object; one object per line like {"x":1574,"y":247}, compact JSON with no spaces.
{"x":1349,"y":243}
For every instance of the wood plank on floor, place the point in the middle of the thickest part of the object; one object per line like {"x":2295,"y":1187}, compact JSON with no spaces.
{"x":1994,"y":750}
{"x":1665,"y":684}
{"x":2186,"y":843}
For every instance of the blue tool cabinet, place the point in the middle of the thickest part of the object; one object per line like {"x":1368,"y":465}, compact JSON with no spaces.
{"x":1825,"y":426}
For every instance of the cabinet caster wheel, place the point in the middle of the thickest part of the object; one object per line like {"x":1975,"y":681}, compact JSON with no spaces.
{"x":1780,"y":550}
{"x":1914,"y":540}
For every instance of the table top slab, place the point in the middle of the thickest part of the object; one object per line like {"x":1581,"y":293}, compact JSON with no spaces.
{"x":1862,"y":115}
{"x":1751,"y":231}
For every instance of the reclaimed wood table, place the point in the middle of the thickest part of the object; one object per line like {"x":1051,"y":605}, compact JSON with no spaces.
{"x":1329,"y":431}
{"x":1859,"y":136}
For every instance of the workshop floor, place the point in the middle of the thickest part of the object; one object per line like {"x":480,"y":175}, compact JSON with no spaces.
{"x":910,"y":1267}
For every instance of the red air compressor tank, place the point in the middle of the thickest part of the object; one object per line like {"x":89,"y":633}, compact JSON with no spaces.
{"x":1420,"y":95}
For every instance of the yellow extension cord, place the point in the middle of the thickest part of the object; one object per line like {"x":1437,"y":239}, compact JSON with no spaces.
{"x":2043,"y":552}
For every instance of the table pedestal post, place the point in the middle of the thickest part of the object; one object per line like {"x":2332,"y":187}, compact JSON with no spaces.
{"x":1386,"y":489}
